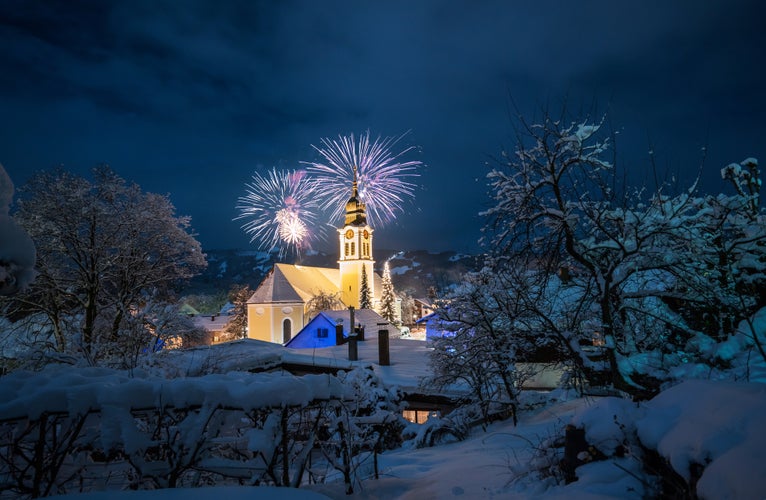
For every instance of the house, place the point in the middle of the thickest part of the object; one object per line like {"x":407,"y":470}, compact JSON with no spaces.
{"x":327,"y":327}
{"x":435,"y":327}
{"x":280,"y":306}
{"x":214,"y":325}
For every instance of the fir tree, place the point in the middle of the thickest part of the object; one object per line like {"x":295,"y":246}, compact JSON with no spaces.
{"x":365,"y":296}
{"x":388,"y":299}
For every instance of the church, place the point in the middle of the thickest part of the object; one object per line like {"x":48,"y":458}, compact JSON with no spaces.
{"x":278,"y":309}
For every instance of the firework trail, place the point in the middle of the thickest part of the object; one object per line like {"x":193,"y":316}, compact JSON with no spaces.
{"x":383,"y":178}
{"x":279,"y":207}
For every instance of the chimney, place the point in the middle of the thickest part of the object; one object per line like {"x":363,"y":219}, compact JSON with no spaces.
{"x":353,"y":353}
{"x":384,"y":355}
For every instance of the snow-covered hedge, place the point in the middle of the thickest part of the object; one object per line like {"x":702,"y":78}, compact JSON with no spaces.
{"x":64,"y":429}
{"x":710,"y":433}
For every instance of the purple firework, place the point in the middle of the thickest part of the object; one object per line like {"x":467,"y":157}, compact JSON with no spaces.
{"x":384,"y":180}
{"x":279,"y":209}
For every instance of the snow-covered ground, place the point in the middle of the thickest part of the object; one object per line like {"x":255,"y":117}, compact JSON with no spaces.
{"x":709,"y":431}
{"x":715,"y":424}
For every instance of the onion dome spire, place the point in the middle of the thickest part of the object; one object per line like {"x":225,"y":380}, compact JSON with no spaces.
{"x":355,"y":208}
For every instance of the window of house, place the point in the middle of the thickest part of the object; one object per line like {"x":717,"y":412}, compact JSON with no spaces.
{"x":419,"y":416}
{"x":322,"y":333}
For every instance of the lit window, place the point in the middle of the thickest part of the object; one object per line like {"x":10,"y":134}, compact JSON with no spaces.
{"x":419,"y":416}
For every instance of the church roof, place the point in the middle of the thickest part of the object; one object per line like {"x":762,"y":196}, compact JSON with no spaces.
{"x":293,"y":283}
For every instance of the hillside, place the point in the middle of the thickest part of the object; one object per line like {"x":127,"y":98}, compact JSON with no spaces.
{"x":413,"y":272}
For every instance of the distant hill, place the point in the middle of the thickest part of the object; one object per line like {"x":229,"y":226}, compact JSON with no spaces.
{"x":411,"y":271}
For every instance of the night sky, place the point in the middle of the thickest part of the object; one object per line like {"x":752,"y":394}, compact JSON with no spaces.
{"x":189,"y":98}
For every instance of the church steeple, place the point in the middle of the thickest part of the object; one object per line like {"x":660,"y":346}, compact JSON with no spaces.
{"x":356,"y":214}
{"x":355,"y":249}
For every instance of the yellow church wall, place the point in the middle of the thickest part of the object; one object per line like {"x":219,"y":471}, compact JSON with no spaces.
{"x":351,"y":280}
{"x":266,"y":321}
{"x":259,"y":322}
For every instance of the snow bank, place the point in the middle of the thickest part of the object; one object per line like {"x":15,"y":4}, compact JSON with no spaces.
{"x":718,"y":425}
{"x":227,"y":492}
{"x":715,"y":426}
{"x":63,"y":390}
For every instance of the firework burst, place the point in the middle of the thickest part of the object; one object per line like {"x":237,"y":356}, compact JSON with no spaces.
{"x":384,"y":180}
{"x":279,"y":209}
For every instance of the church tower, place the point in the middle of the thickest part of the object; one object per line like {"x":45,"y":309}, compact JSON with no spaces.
{"x":355,"y":252}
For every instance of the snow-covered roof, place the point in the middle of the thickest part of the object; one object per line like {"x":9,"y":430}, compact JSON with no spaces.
{"x":294,"y":283}
{"x":214,"y":323}
{"x":367,"y":318}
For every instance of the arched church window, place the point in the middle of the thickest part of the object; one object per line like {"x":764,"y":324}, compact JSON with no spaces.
{"x":287,"y":330}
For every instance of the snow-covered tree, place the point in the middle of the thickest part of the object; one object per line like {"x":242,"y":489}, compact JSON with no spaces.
{"x":238,"y":297}
{"x":388,"y":298}
{"x":105,"y":248}
{"x":17,"y":251}
{"x":365,"y":294}
{"x":482,"y":340}
{"x":323,"y":301}
{"x":632,"y":255}
{"x":408,"y":307}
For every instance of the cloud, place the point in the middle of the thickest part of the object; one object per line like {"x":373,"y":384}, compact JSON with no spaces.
{"x":176,"y":90}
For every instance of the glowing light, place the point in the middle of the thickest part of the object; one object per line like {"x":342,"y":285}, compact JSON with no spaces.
{"x":280,"y":207}
{"x":384,"y":180}
{"x":292,"y":229}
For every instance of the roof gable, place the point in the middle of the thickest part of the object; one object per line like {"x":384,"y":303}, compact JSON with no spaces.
{"x":307,"y":336}
{"x":275,"y":288}
{"x":309,"y":281}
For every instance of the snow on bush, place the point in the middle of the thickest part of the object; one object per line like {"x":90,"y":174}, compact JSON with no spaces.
{"x":715,"y":425}
{"x":710,"y":433}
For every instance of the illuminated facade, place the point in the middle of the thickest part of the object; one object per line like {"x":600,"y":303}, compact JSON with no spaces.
{"x":279,"y":307}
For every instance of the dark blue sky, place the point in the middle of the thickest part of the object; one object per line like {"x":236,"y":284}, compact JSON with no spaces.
{"x":190,"y":97}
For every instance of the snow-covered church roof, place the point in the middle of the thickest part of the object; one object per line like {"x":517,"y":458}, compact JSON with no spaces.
{"x":292,"y":283}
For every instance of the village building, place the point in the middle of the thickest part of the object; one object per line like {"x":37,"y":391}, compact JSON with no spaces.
{"x":330,"y":328}
{"x":280,"y":306}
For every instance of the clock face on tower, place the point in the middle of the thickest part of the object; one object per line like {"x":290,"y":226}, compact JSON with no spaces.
{"x":366,"y":234}
{"x":349,"y":234}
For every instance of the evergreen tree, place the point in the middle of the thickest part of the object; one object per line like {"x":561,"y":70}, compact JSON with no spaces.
{"x":388,"y":300}
{"x":237,"y":327}
{"x":365,"y":295}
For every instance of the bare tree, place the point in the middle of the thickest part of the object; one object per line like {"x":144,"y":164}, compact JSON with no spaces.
{"x":104,"y":248}
{"x":634,"y":253}
{"x":323,"y":301}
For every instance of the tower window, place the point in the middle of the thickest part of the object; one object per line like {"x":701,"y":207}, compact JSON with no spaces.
{"x":353,"y":250}
{"x":346,"y":249}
